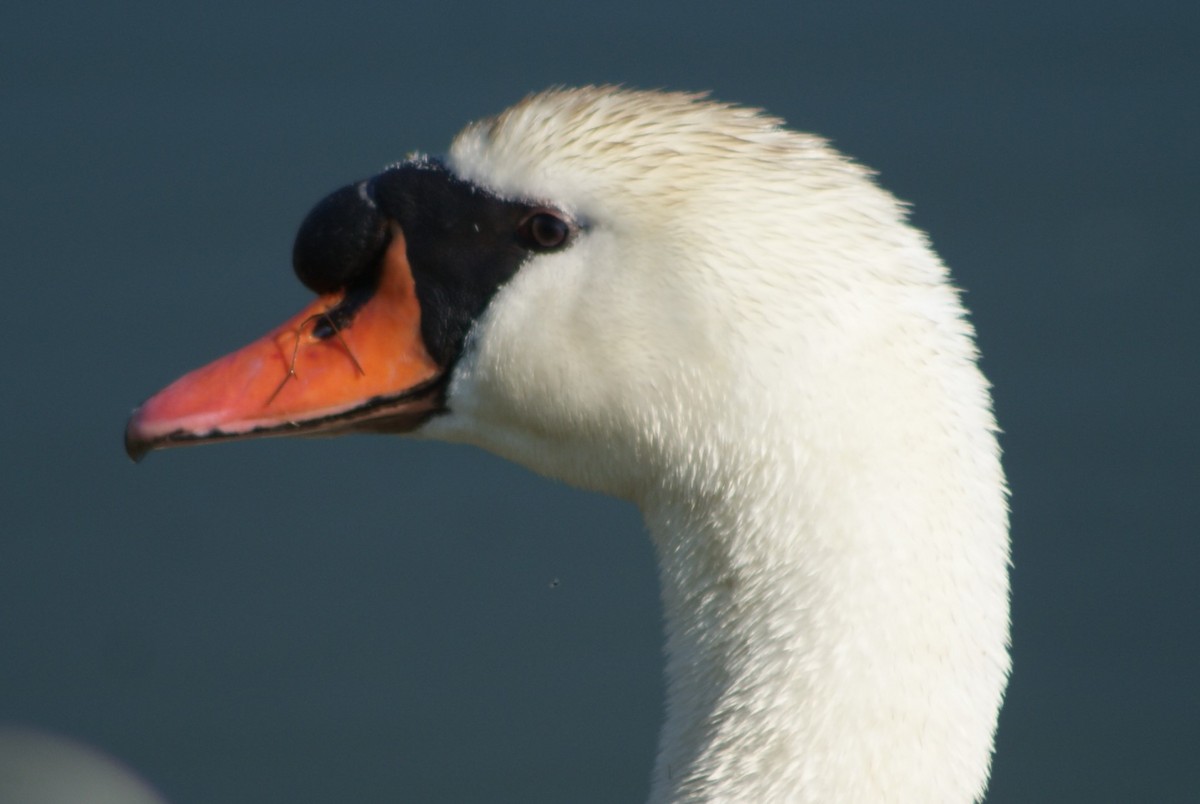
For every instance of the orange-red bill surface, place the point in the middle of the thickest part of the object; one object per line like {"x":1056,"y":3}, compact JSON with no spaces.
{"x":311,"y":375}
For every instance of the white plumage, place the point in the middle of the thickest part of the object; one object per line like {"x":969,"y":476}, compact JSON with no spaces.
{"x":750,"y":342}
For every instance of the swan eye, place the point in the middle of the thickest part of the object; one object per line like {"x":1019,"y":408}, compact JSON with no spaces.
{"x":544,"y":231}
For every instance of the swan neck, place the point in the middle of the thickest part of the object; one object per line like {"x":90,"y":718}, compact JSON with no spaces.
{"x":818,"y":652}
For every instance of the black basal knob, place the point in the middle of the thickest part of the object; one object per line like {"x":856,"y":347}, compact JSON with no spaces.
{"x":340,"y":241}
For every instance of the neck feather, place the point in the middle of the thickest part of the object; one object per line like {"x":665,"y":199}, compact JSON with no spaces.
{"x":836,"y":616}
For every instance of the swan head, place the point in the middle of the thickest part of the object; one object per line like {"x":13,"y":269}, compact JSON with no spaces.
{"x":592,"y":283}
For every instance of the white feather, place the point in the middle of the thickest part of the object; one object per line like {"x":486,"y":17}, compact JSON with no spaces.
{"x":750,"y":342}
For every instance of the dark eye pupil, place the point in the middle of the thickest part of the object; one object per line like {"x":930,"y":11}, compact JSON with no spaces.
{"x":546,"y":231}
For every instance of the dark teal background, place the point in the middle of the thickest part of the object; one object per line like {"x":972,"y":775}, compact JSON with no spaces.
{"x":377,"y":620}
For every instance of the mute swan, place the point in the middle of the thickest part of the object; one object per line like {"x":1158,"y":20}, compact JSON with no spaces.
{"x":684,"y":304}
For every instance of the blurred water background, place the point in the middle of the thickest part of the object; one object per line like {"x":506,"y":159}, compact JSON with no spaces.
{"x":376,"y":620}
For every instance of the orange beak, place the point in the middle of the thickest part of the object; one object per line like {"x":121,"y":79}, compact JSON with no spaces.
{"x":341,"y":364}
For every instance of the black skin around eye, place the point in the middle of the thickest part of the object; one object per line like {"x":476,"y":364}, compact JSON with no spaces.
{"x":462,"y":243}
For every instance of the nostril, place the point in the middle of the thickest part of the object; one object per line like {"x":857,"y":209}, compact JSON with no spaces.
{"x":339,"y":241}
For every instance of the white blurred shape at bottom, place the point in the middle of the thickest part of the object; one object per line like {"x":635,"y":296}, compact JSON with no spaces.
{"x":41,"y":768}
